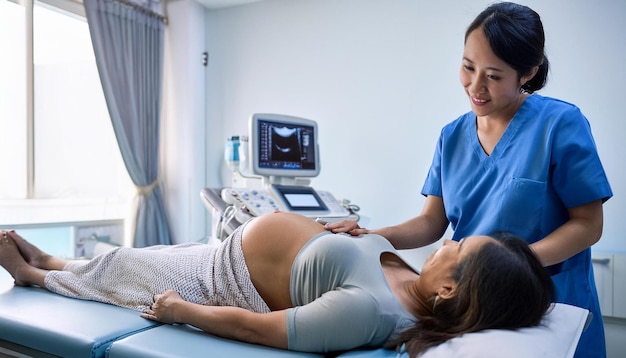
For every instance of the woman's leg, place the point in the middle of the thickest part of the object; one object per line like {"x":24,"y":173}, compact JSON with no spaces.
{"x":34,"y":256}
{"x":23,"y":273}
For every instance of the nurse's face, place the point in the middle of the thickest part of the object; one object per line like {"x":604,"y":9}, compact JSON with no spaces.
{"x":439,"y":267}
{"x":493,"y":87}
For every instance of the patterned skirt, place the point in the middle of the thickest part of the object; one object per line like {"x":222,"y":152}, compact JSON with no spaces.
{"x":214,"y":275}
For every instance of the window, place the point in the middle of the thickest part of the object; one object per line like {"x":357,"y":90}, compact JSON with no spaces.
{"x":13,"y":100}
{"x":59,"y":160}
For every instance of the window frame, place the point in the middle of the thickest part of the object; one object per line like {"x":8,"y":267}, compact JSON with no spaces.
{"x":31,"y":210}
{"x":72,"y":7}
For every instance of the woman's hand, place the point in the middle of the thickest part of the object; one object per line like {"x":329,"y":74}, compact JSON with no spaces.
{"x":348,"y":226}
{"x":163,"y":308}
{"x":237,"y":323}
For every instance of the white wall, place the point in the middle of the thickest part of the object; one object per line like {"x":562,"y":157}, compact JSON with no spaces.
{"x":381,"y":79}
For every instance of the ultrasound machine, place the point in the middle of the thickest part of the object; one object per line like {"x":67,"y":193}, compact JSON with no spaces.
{"x":282,"y":155}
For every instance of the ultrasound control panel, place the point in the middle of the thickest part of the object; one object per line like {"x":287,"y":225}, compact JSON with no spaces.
{"x":298,"y":199}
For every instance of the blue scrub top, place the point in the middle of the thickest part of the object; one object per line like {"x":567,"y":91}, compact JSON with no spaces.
{"x":545,"y":162}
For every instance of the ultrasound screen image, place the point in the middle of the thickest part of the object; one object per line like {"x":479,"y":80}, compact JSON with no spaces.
{"x":286,"y":146}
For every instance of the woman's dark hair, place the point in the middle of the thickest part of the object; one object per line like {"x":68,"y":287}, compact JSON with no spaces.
{"x":501,"y":286}
{"x":516,"y":36}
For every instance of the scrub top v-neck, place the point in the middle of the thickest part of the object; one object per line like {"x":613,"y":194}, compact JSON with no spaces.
{"x":545,"y":162}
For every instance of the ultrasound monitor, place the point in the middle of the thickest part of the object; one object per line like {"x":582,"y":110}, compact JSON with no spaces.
{"x":283,"y":146}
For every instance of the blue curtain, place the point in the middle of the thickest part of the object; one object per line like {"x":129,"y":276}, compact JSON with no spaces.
{"x":128,"y":45}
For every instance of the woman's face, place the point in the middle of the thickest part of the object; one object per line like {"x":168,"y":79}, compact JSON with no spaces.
{"x":439,"y":267}
{"x":493,"y":87}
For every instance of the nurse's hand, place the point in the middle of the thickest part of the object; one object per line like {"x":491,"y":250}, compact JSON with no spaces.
{"x":348,"y":226}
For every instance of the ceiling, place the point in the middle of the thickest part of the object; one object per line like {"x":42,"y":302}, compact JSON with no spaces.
{"x":220,"y":4}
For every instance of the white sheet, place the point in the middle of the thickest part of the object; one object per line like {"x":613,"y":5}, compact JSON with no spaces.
{"x":556,"y":337}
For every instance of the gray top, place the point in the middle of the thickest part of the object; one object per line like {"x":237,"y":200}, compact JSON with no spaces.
{"x":340,"y":295}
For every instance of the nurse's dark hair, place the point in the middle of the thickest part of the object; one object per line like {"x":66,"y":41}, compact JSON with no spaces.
{"x":502,"y":285}
{"x":516,"y":36}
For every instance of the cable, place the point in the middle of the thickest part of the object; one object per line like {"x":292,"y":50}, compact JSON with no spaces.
{"x":225,"y":218}
{"x":352,"y":208}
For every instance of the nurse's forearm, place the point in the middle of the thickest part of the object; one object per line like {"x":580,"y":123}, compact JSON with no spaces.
{"x":413,"y":233}
{"x":582,"y":230}
{"x":419,"y":231}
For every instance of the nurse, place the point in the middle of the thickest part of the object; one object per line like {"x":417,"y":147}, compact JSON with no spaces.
{"x":518,"y":162}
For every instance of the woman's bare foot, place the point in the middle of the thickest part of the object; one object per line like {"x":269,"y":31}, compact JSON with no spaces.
{"x":12,"y":260}
{"x":34,"y":256}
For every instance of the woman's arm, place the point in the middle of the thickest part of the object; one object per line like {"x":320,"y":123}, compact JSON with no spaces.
{"x":419,"y":231}
{"x":582,"y":230}
{"x":269,"y":329}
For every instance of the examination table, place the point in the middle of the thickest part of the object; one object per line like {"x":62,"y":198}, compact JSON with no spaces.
{"x":38,"y":323}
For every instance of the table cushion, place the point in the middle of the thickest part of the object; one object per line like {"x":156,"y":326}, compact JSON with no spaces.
{"x":189,"y":342}
{"x":46,"y":322}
